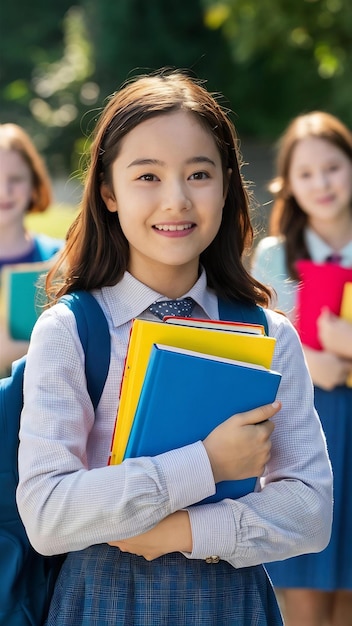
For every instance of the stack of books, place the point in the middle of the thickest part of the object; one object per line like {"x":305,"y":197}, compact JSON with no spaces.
{"x":182,"y":378}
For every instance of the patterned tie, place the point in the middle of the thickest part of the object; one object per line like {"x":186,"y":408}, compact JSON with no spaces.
{"x":183,"y":308}
{"x":334,"y":258}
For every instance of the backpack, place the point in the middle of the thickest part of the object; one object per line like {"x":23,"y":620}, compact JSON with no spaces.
{"x":27,"y":578}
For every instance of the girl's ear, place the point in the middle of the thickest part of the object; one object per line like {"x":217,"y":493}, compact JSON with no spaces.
{"x":108,"y":197}
{"x":227,"y":177}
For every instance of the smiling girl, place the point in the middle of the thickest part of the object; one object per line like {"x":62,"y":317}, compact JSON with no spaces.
{"x":164,"y":215}
{"x":312,"y":219}
{"x":24,"y":188}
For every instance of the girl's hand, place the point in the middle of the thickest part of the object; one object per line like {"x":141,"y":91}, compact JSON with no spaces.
{"x":240,"y":447}
{"x":172,"y":534}
{"x":335,"y":334}
{"x":326,"y":369}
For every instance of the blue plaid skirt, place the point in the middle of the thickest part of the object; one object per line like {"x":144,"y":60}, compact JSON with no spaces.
{"x":331,"y":569}
{"x":101,"y":586}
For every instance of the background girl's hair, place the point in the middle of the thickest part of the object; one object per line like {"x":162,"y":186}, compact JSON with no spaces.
{"x":97,"y":252}
{"x":13,"y":137}
{"x":287,"y":218}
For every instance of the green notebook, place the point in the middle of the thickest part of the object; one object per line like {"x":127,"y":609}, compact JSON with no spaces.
{"x":23,"y":295}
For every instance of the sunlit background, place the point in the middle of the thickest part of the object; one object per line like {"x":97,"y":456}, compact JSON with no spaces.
{"x":272,"y":59}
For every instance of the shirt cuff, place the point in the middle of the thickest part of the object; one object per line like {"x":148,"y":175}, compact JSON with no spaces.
{"x":188,"y":474}
{"x":213,"y":531}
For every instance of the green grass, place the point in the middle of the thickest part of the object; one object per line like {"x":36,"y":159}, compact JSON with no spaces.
{"x":54,"y":222}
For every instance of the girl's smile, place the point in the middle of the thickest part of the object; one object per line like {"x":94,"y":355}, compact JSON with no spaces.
{"x":174,"y":230}
{"x":168,"y":191}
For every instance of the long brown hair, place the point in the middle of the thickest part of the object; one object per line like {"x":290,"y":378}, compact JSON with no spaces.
{"x":14,"y":137}
{"x":97,"y":252}
{"x":287,"y":218}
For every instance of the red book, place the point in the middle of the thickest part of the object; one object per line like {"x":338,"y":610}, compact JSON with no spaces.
{"x":321,"y":285}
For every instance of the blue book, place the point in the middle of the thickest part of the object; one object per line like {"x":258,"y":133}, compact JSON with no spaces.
{"x":186,"y":394}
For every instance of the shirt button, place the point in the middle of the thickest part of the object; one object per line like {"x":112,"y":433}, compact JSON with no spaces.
{"x":212,"y":559}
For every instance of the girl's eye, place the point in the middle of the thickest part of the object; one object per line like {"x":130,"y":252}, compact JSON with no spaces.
{"x":199,"y":176}
{"x":148,"y":177}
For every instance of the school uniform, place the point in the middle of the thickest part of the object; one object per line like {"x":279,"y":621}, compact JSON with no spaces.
{"x":72,"y":502}
{"x":330,"y":569}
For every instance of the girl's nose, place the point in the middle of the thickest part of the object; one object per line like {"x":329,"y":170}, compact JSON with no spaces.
{"x":321,"y":179}
{"x":177,"y":197}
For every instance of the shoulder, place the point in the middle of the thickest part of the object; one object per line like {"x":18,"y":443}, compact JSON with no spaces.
{"x":269,"y":260}
{"x":281,"y":328}
{"x":278,"y":322}
{"x":270,"y":247}
{"x":46,"y":246}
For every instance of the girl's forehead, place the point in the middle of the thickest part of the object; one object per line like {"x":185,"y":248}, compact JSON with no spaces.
{"x":313,"y":149}
{"x":177,"y":128}
{"x":11,"y":158}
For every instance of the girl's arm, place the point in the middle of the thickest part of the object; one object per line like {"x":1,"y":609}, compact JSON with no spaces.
{"x":238,"y":448}
{"x":292,"y":513}
{"x":67,"y":496}
{"x":172,"y":534}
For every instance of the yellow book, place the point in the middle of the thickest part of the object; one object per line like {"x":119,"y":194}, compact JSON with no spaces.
{"x":346,"y":312}
{"x":257,"y":349}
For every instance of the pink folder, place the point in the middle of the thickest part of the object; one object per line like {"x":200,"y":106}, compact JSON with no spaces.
{"x":321,"y":285}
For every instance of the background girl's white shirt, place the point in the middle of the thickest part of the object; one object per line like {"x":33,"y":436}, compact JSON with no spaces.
{"x":269,"y":266}
{"x":65,"y":507}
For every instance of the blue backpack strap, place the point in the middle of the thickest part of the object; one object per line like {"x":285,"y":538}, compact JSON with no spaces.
{"x":237,"y":311}
{"x":94,"y":334}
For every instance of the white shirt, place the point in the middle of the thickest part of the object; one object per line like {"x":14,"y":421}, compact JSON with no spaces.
{"x":70,"y":499}
{"x":269,"y":265}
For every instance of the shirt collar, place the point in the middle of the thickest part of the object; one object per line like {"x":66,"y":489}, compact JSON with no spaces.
{"x":319,"y":250}
{"x":129,"y":298}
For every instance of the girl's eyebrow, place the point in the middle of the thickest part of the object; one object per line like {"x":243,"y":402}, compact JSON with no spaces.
{"x":195,"y":159}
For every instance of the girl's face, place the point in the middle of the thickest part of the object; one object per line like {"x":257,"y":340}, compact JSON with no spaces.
{"x":168,"y":191}
{"x":16,"y":186}
{"x":320,"y":179}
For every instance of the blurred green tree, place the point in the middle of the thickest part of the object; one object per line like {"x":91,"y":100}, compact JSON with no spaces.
{"x":272,"y":59}
{"x":135,"y":36}
{"x":290,"y":57}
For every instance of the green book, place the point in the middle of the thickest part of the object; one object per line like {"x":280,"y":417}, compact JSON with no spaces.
{"x":23,"y":296}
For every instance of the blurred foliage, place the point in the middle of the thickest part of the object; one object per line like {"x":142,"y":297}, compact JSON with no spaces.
{"x":290,"y":57}
{"x":273,"y":59}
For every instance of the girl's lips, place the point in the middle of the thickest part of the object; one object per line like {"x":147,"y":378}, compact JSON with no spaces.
{"x":326,"y":199}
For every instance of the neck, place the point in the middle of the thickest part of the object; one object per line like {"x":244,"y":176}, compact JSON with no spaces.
{"x":14,"y":240}
{"x":336,"y":234}
{"x":171,"y":282}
